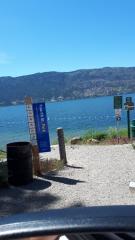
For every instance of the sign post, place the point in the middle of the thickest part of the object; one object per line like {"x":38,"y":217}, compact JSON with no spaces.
{"x":118,"y":118}
{"x":128,"y":123}
{"x":129,"y":105}
{"x":117,"y":102}
{"x":33,"y":137}
{"x":117,"y":108}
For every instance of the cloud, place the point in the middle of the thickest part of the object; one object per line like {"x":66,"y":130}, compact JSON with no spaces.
{"x":4,"y":58}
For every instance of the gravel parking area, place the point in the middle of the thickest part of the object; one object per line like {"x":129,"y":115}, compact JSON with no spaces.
{"x":95,"y":175}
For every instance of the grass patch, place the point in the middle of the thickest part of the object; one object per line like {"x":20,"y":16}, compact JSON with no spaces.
{"x":112,"y":133}
{"x":3,"y":173}
{"x":133,"y":145}
{"x":55,"y":141}
{"x":109,"y":134}
{"x":51,"y":165}
{"x":2,"y":155}
{"x":94,"y":135}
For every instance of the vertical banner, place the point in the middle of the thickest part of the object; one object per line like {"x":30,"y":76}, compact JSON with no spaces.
{"x":42,"y":132}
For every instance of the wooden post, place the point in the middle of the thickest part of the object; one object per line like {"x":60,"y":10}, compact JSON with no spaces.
{"x":62,"y":150}
{"x":36,"y":160}
{"x":32,"y":130}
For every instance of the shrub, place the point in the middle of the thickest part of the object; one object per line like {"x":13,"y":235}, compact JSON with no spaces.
{"x":95,"y":135}
{"x":100,"y":136}
{"x":88,"y":135}
{"x":55,"y":141}
{"x":2,"y":154}
{"x":104,"y":135}
{"x":112,"y":133}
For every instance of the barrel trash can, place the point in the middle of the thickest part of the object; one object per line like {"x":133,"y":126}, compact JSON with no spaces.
{"x":19,"y":161}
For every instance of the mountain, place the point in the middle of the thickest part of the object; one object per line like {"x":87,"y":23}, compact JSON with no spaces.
{"x":67,"y":85}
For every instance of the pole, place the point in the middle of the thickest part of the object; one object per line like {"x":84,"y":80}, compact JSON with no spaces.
{"x":36,"y":160}
{"x":128,"y":122}
{"x":117,"y":126}
{"x":35,"y":151}
{"x":61,"y":142}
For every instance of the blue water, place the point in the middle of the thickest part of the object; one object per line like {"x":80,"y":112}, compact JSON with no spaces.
{"x":75,"y":116}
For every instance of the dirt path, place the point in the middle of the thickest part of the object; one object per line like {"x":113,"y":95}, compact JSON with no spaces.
{"x":95,"y":175}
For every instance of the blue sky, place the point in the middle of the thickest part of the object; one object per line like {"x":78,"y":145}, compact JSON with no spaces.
{"x":65,"y":35}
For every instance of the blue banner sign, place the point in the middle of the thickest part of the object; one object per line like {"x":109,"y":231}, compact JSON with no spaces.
{"x":42,"y":132}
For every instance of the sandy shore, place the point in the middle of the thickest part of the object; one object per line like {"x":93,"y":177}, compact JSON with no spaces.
{"x":95,"y":175}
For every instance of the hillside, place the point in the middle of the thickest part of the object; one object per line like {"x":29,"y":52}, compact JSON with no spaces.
{"x":67,"y":85}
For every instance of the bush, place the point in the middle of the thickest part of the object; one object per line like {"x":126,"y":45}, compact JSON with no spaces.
{"x":94,"y":135}
{"x":88,"y":135}
{"x":100,"y":136}
{"x":2,"y":154}
{"x":112,"y":133}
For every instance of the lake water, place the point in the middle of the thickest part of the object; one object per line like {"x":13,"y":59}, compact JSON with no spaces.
{"x":75,"y":116}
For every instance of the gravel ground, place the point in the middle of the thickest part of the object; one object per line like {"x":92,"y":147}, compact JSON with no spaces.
{"x":95,"y":175}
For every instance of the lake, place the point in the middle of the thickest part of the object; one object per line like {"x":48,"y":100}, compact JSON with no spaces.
{"x":75,"y":116}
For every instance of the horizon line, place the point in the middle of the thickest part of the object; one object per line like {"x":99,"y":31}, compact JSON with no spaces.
{"x":54,"y":71}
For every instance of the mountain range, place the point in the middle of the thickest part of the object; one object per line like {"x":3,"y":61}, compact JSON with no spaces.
{"x":53,"y":86}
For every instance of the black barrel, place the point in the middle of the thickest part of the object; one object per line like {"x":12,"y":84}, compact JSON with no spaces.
{"x":19,"y":160}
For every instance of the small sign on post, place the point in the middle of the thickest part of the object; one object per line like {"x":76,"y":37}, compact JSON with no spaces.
{"x":117,"y":108}
{"x":129,"y":105}
{"x":117,"y":102}
{"x":118,"y":114}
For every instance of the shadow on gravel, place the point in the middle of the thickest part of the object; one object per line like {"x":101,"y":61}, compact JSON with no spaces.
{"x":64,"y":180}
{"x":18,"y":200}
{"x":37,"y":184}
{"x":75,"y":205}
{"x":71,"y":166}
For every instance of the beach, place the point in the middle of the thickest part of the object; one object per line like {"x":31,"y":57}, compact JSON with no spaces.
{"x":94,"y":175}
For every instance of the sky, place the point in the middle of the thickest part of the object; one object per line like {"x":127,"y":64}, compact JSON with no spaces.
{"x":65,"y":35}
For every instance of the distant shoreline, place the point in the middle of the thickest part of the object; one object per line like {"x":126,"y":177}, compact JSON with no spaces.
{"x":64,"y":100}
{"x":59,"y":86}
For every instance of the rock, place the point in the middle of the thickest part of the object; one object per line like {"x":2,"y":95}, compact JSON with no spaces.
{"x":94,"y":140}
{"x":75,"y":140}
{"x":89,"y":141}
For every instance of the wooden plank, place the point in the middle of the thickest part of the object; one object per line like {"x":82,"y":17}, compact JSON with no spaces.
{"x":32,"y":131}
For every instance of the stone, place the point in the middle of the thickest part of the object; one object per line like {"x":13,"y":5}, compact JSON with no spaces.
{"x":94,"y":140}
{"x":75,"y":140}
